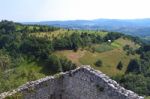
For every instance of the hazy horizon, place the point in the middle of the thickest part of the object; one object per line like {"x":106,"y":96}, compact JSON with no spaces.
{"x":62,"y":10}
{"x":80,"y":20}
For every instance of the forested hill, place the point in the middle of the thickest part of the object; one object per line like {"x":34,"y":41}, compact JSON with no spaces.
{"x":29,"y":52}
{"x":134,"y":27}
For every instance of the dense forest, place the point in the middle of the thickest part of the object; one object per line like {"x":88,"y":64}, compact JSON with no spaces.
{"x":137,"y":76}
{"x":20,"y":44}
{"x":17,"y":46}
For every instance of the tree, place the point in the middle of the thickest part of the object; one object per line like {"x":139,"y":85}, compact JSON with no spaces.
{"x":120,"y":65}
{"x":7,"y":27}
{"x":126,"y":47}
{"x":5,"y":60}
{"x":76,"y":41}
{"x":37,"y":47}
{"x":134,"y":66}
{"x":98,"y":63}
{"x":67,"y":65}
{"x":53,"y":64}
{"x":137,"y":83}
{"x":112,"y":36}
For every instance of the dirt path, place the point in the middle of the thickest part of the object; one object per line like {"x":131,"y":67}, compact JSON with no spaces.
{"x":74,"y":57}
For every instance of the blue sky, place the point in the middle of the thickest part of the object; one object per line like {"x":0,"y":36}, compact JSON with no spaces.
{"x":46,"y":10}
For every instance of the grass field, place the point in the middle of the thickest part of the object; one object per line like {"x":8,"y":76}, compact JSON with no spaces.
{"x":148,"y":97}
{"x":102,"y":47}
{"x":110,"y":60}
{"x":122,"y":42}
{"x":109,"y":54}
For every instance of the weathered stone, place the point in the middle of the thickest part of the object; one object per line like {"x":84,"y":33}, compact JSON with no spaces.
{"x":81,"y":83}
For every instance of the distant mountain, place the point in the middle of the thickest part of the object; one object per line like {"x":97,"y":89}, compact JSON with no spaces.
{"x":134,"y":27}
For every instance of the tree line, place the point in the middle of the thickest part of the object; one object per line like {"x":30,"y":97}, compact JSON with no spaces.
{"x":137,"y":76}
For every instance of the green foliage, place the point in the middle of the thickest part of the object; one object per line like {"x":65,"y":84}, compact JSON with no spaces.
{"x":17,"y":45}
{"x":146,"y":56}
{"x":67,"y":65}
{"x":15,"y":96}
{"x":38,"y":47}
{"x":98,"y":63}
{"x":7,"y":27}
{"x":31,"y":76}
{"x":112,"y":36}
{"x":53,"y":64}
{"x":134,"y":66}
{"x":137,"y":76}
{"x":120,"y":65}
{"x":102,"y":48}
{"x":26,"y":71}
{"x":76,"y":40}
{"x":5,"y":60}
{"x":136,"y":83}
{"x":129,"y":50}
{"x":145,"y":48}
{"x":126,"y":47}
{"x":145,"y":63}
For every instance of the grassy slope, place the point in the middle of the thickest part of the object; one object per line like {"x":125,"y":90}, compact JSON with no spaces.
{"x":20,"y":75}
{"x":148,"y":97}
{"x":110,"y":57}
{"x":110,"y":54}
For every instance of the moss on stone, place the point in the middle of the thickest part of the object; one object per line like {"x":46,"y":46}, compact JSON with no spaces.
{"x":15,"y":96}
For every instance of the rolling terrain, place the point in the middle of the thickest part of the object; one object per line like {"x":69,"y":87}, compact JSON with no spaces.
{"x":134,"y":27}
{"x":110,"y":53}
{"x":34,"y":51}
{"x":30,"y":68}
{"x":110,"y":56}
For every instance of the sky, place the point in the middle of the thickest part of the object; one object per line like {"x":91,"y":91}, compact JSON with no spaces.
{"x":50,"y":10}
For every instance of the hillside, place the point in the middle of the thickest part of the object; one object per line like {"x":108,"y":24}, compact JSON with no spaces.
{"x":109,"y":54}
{"x":134,"y":27}
{"x":104,"y":51}
{"x":29,"y":52}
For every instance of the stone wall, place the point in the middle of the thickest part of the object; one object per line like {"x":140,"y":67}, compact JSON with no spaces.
{"x":81,"y":83}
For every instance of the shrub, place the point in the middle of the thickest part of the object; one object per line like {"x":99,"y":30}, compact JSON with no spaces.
{"x":98,"y":63}
{"x":67,"y":65}
{"x":53,"y":63}
{"x":120,"y":65}
{"x":134,"y":66}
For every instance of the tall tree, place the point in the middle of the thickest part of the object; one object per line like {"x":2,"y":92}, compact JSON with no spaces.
{"x":120,"y":65}
{"x":134,"y":66}
{"x":53,"y":63}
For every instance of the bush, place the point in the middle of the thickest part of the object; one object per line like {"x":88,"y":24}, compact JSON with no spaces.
{"x":126,"y":47}
{"x":56,"y":64}
{"x":53,"y":64}
{"x":120,"y":65}
{"x":98,"y":63}
{"x":67,"y":65}
{"x":134,"y":66}
{"x":136,"y":83}
{"x":5,"y":60}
